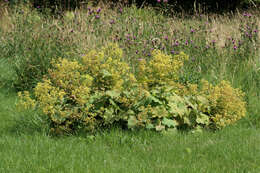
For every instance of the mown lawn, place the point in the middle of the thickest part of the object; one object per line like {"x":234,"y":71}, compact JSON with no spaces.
{"x":233,"y":149}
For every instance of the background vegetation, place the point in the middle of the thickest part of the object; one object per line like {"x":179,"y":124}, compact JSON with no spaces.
{"x":220,"y":46}
{"x":172,"y":5}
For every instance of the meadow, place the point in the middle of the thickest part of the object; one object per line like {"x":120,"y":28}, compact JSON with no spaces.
{"x":220,"y":47}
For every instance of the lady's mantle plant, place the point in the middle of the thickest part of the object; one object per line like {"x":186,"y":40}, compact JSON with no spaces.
{"x":101,"y":90}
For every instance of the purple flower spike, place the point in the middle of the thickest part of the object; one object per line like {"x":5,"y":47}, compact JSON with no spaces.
{"x":247,"y":14}
{"x":98,"y":10}
{"x":97,"y":16}
{"x":121,"y":10}
{"x":158,"y":0}
{"x":235,"y":47}
{"x":112,"y":21}
{"x":192,"y":30}
{"x":166,"y":37}
{"x":172,"y":51}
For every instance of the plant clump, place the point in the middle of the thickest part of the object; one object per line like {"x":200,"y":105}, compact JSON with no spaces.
{"x":100,"y":90}
{"x":161,"y":70}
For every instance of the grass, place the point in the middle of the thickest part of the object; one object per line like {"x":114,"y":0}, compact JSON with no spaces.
{"x":234,"y":149}
{"x":32,"y":40}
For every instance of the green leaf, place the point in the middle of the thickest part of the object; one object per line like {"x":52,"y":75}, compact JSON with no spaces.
{"x":132,"y":122}
{"x":156,"y":100}
{"x":177,"y":106}
{"x":150,"y":126}
{"x":151,"y":99}
{"x":193,"y":106}
{"x":108,"y":114}
{"x":186,"y":120}
{"x":130,"y":112}
{"x":173,"y":109}
{"x":111,"y":101}
{"x":169,"y":123}
{"x":105,"y":73}
{"x":177,"y":109}
{"x":113,"y":93}
{"x":202,"y":119}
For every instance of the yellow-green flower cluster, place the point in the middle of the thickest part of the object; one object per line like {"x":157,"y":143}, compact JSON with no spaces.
{"x":70,"y":77}
{"x":227,"y":105}
{"x":162,"y":69}
{"x":25,"y":101}
{"x":64,"y":94}
{"x":108,"y":68}
{"x":223,"y":103}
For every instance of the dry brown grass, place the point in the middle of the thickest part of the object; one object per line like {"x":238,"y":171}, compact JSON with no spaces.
{"x":5,"y":20}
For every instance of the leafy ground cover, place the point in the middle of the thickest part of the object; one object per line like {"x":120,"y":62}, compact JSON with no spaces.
{"x":220,"y":48}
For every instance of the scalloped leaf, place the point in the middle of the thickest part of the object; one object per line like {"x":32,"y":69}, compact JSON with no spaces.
{"x":132,"y":122}
{"x":149,"y":126}
{"x":202,"y":119}
{"x":169,"y":123}
{"x":113,"y":93}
